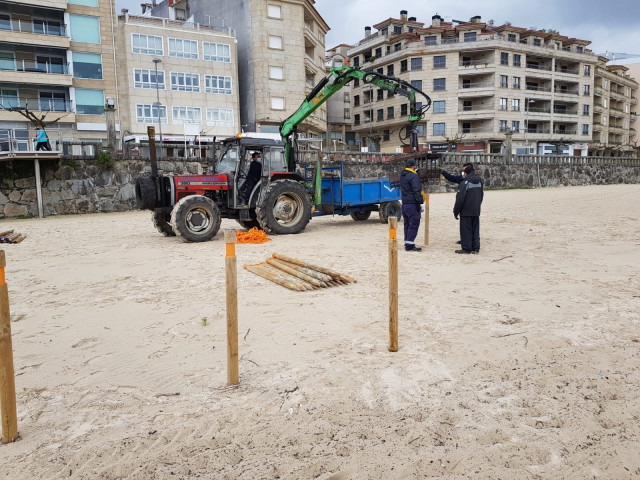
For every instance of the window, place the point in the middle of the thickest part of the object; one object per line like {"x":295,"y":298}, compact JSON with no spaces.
{"x":337,"y":63}
{"x":503,"y":126}
{"x":356,"y":61}
{"x":517,"y":60}
{"x":440,"y":61}
{"x":386,"y":135}
{"x":511,"y":37}
{"x":217,"y":52}
{"x":143,"y":78}
{"x":467,"y":105}
{"x":146,"y":113}
{"x":439,"y":84}
{"x":346,"y":97}
{"x":5,"y":21}
{"x":87,"y":65}
{"x":220,"y":117}
{"x":397,"y":29}
{"x":49,"y":27}
{"x":273,"y":11}
{"x":380,"y":114}
{"x":606,"y":84}
{"x":89,"y":102}
{"x":587,"y":70}
{"x":585,"y":129}
{"x":420,"y":130}
{"x":537,"y":42}
{"x":380,"y":94}
{"x":275,"y":42}
{"x":515,"y":104}
{"x":186,"y":115}
{"x":356,"y":100}
{"x":217,"y":84}
{"x":404,"y":110}
{"x":185,"y":82}
{"x":504,"y":58}
{"x":504,"y":81}
{"x":431,"y":40}
{"x":403,"y":66}
{"x":52,"y":101}
{"x":356,"y":83}
{"x":604,"y":102}
{"x":390,"y":112}
{"x":516,"y":82}
{"x":183,"y":48}
{"x":277,"y":103}
{"x":439,"y":106}
{"x":276,"y":73}
{"x":579,"y":49}
{"x":470,"y":36}
{"x":438,"y":128}
{"x":585,"y":109}
{"x":84,"y":29}
{"x":378,"y":52}
{"x":86,"y":3}
{"x":503,"y":104}
{"x":515,"y":126}
{"x":9,"y":98}
{"x":416,"y":63}
{"x":7,"y":61}
{"x":147,"y":44}
{"x":347,"y":114}
{"x":390,"y":70}
{"x":356,"y":119}
{"x":416,"y":84}
{"x":586,"y":90}
{"x":397,"y":47}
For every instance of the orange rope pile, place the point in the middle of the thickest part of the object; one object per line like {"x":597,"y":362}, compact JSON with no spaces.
{"x":254,"y":235}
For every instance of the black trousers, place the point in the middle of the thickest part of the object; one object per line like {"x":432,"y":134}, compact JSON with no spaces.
{"x":470,"y":233}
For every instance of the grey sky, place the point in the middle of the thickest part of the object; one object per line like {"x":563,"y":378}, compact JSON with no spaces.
{"x":611,"y":25}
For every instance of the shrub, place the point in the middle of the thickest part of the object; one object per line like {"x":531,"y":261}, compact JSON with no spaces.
{"x":105,"y":160}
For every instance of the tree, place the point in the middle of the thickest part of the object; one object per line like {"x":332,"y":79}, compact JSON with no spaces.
{"x":35,"y":119}
{"x":453,"y":141}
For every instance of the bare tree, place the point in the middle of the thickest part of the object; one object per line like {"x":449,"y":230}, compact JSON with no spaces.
{"x":34,"y":118}
{"x":453,"y":141}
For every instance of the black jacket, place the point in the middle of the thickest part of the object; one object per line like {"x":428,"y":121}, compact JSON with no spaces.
{"x":255,"y":171}
{"x":410,"y":187}
{"x":469,"y":197}
{"x":452,"y":178}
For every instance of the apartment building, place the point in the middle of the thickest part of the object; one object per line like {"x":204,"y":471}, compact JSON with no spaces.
{"x":180,"y":77}
{"x":281,"y":55}
{"x":339,"y":135}
{"x":485,"y":83}
{"x":56,"y":59}
{"x":614,"y":110}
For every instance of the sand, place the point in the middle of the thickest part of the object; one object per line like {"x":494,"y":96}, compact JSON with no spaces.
{"x":521,"y":362}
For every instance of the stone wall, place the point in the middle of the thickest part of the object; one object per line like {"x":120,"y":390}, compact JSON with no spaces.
{"x":80,"y":186}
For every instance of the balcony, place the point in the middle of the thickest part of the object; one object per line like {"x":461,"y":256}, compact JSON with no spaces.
{"x":38,"y":27}
{"x":35,"y":104}
{"x":564,"y":131}
{"x":476,"y":64}
{"x":536,"y":88}
{"x":571,"y":71}
{"x":565,"y":91}
{"x":564,"y":111}
{"x":470,"y":87}
{"x":538,"y":66}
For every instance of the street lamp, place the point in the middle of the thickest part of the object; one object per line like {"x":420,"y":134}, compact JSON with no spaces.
{"x":156,"y":61}
{"x":528,"y":101}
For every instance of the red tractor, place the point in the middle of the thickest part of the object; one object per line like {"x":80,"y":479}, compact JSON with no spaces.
{"x":192,"y":206}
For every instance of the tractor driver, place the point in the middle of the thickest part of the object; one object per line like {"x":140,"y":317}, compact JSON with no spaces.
{"x":253,"y":176}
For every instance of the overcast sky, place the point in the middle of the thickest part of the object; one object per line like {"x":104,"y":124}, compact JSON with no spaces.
{"x":611,"y":25}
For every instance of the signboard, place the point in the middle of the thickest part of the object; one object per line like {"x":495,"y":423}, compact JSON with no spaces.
{"x":439,"y":147}
{"x":192,"y":129}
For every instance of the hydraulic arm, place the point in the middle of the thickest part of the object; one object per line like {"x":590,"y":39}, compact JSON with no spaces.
{"x":338,"y":78}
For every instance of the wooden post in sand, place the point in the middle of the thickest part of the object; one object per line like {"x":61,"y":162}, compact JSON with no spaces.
{"x":7,"y":377}
{"x":393,"y":284}
{"x":426,"y":219}
{"x":231,"y":276}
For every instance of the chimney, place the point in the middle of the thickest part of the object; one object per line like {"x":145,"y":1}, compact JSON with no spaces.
{"x":475,"y":19}
{"x":412,"y":19}
{"x":367,"y":32}
{"x":403,"y":15}
{"x":435,"y":20}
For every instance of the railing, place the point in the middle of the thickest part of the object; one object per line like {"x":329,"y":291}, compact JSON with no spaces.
{"x":565,"y":92}
{"x":536,"y":130}
{"x":566,"y":70}
{"x":466,"y":86}
{"x":498,"y":159}
{"x":565,"y":132}
{"x":475,"y":108}
{"x":33,"y":66}
{"x":26,"y":26}
{"x":10,"y":144}
{"x":475,"y":63}
{"x":472,"y":130}
{"x":537,"y":89}
{"x":539,"y":110}
{"x":43,"y":105}
{"x":536,"y":66}
{"x":561,"y":111}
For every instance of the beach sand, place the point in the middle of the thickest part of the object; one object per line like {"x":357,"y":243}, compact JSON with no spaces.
{"x":521,"y":362}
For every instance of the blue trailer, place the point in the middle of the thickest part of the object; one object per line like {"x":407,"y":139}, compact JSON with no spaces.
{"x":358,"y":197}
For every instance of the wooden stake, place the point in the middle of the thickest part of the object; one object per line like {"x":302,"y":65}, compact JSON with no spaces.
{"x":323,"y":277}
{"x":393,"y":284}
{"x":231,"y":277}
{"x":7,"y":232}
{"x":272,"y":277}
{"x":292,"y":271}
{"x":426,"y":220}
{"x":7,"y":377}
{"x":331,"y":273}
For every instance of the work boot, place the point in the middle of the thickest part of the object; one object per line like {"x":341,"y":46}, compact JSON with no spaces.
{"x":466,"y":252}
{"x":414,"y":249}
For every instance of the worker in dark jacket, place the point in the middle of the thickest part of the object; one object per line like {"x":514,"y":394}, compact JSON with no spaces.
{"x":468,"y":201}
{"x":455,"y":178}
{"x":253,"y":176}
{"x":412,"y":200}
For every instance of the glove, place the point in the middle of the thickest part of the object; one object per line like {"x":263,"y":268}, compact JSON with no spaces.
{"x":456,"y":216}
{"x":422,"y":208}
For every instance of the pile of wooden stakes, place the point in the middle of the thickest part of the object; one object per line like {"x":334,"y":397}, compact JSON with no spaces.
{"x":10,"y":237}
{"x":298,"y":275}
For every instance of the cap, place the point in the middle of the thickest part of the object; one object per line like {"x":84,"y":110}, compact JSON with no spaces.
{"x":411,"y":162}
{"x":468,"y":169}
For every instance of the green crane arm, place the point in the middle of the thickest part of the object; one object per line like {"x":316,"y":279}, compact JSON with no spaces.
{"x":334,"y":81}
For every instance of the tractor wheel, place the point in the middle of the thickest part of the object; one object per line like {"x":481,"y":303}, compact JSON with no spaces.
{"x":195,"y":219}
{"x":286,"y":208}
{"x":361,"y":216}
{"x":390,"y":209}
{"x":146,"y":193}
{"x":162,"y":222}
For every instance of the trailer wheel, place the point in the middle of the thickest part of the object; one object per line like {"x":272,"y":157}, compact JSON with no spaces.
{"x":285,"y":209}
{"x":146,"y":193}
{"x":390,"y":209}
{"x":361,"y":215}
{"x":162,"y":222}
{"x":195,"y":219}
